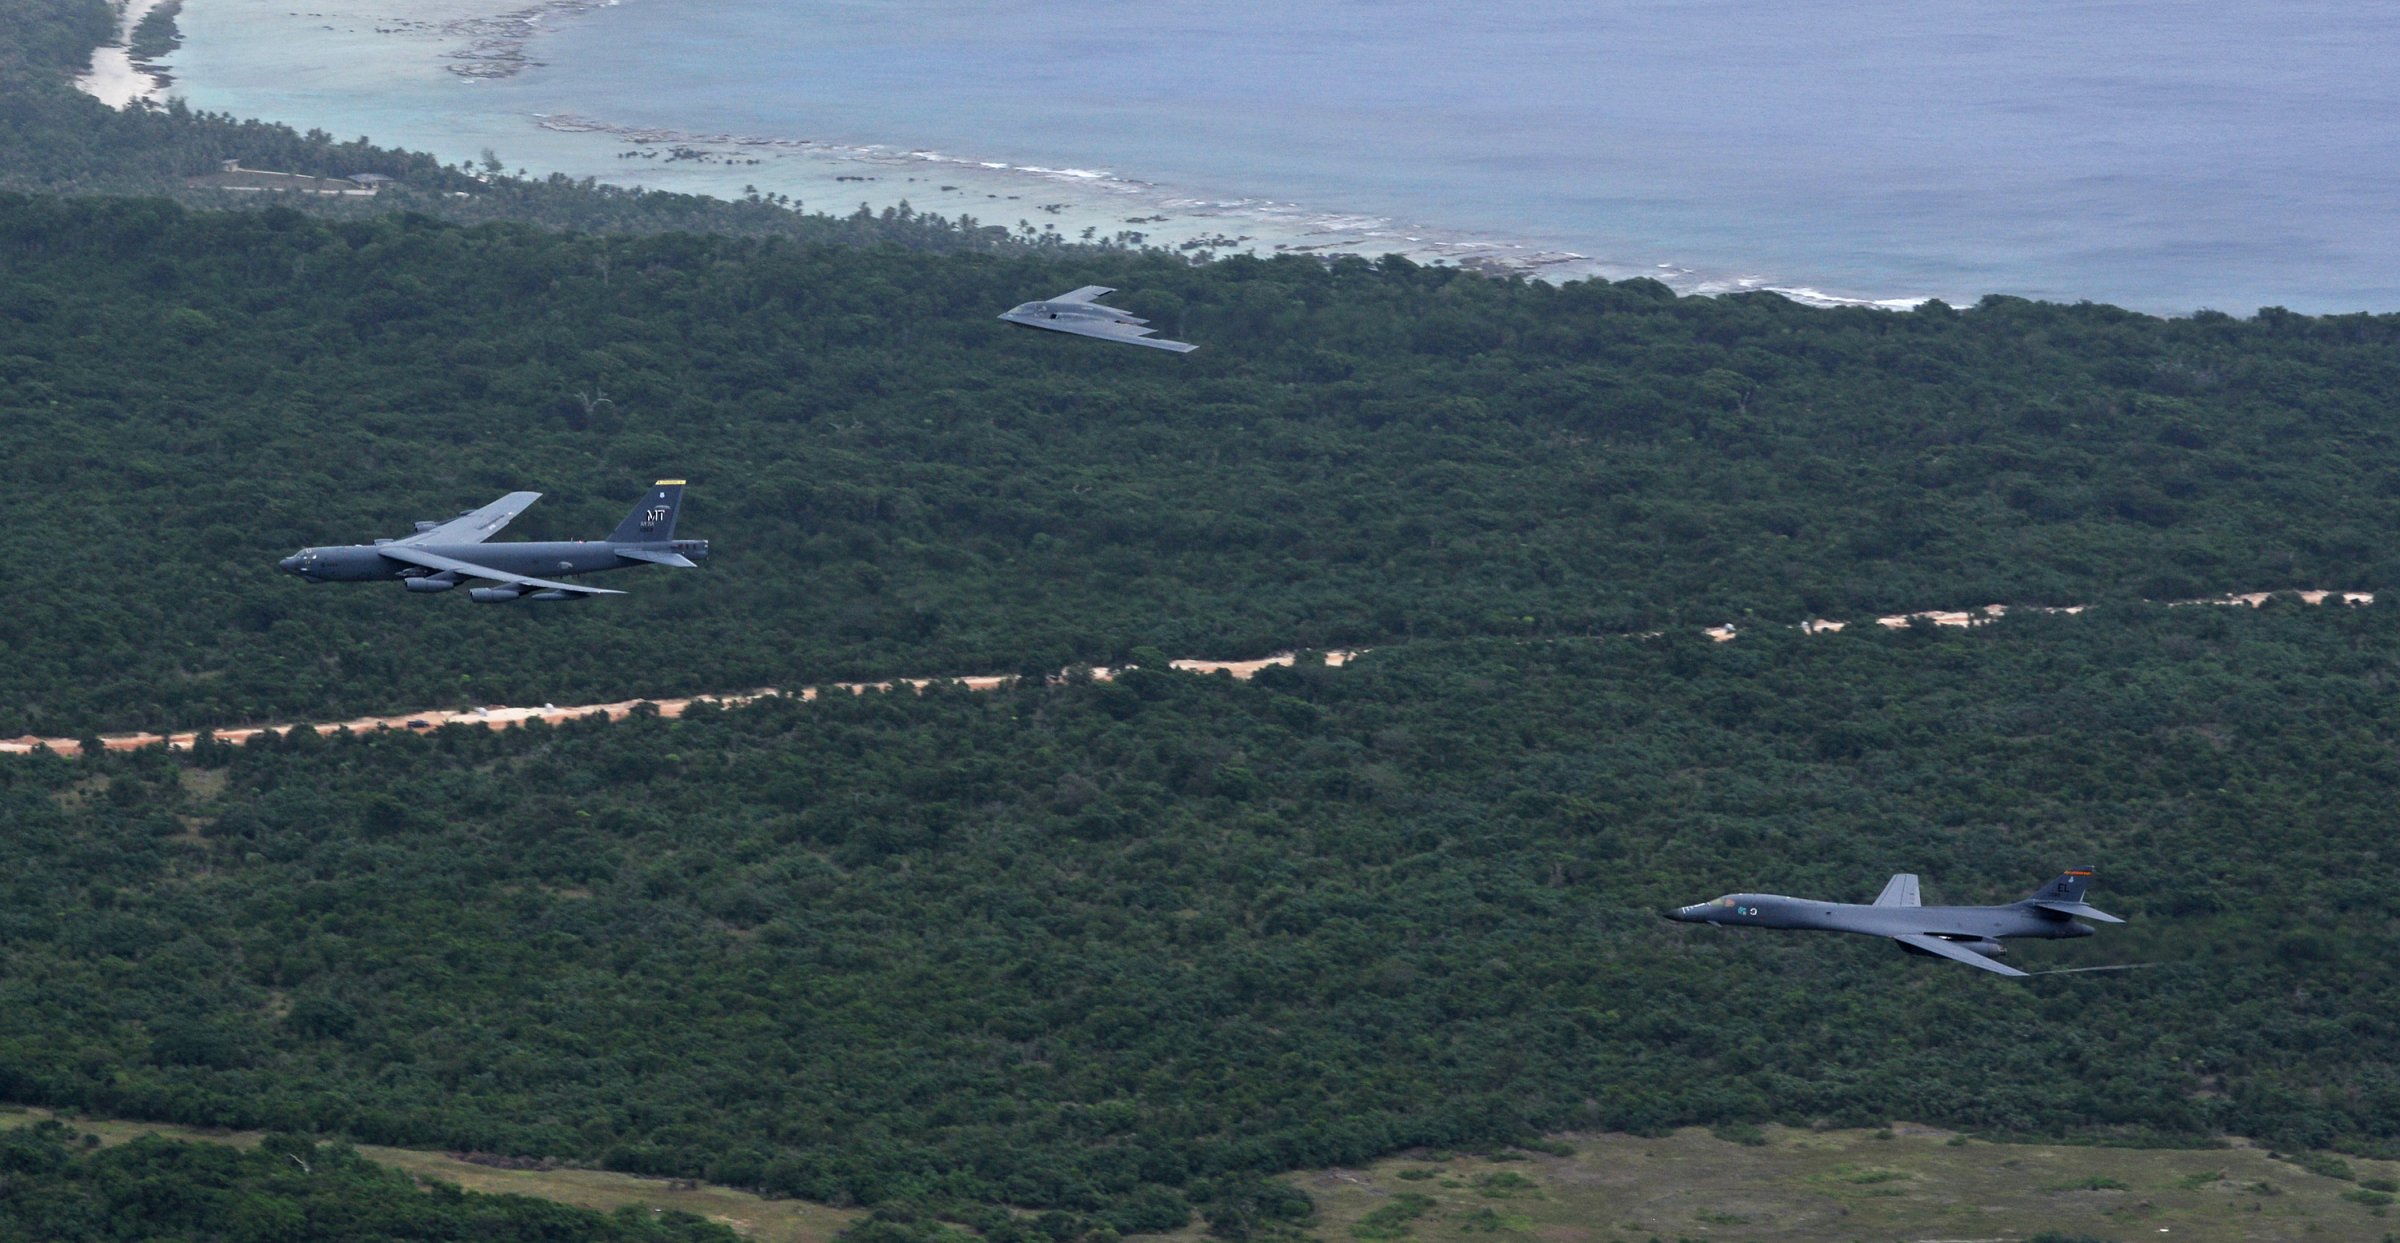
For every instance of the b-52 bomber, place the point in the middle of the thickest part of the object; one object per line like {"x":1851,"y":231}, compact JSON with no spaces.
{"x":1968,"y":934}
{"x":441,"y":555}
{"x":1080,"y":312}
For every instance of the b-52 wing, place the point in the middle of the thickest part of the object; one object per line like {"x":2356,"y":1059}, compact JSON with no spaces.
{"x":476,"y":525}
{"x":435,"y":561}
{"x":1943,"y":949}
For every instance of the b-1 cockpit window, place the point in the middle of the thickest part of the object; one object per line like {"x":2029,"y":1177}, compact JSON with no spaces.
{"x":1722,"y":902}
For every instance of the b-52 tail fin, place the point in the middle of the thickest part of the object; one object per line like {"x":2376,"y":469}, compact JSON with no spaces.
{"x":652,"y":521}
{"x":2064,"y":896}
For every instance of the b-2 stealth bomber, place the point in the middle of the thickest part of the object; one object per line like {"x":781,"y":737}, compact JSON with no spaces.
{"x":1968,"y":934}
{"x":441,"y":555}
{"x":1080,"y":312}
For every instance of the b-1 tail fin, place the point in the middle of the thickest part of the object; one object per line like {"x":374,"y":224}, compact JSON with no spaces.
{"x":2064,"y":896}
{"x":2068,"y":887}
{"x":652,"y":521}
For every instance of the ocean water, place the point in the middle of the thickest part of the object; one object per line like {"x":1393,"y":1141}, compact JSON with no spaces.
{"x":2165,"y":156}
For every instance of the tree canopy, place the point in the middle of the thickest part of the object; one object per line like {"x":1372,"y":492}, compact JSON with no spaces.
{"x":898,"y":484}
{"x":1101,"y":947}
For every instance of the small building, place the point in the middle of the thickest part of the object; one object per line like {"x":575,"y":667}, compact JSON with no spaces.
{"x":230,"y":175}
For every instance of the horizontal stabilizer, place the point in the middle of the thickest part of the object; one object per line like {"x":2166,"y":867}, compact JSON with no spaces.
{"x":656,"y":557}
{"x":2079,"y":911}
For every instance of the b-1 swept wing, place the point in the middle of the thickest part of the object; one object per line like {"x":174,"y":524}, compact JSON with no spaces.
{"x":1079,"y":311}
{"x":441,"y":555}
{"x":1968,"y":934}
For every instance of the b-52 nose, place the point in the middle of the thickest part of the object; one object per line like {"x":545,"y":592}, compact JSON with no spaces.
{"x":290,"y":564}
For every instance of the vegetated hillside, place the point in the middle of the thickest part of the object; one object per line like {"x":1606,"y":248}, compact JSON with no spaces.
{"x":162,"y":1191}
{"x":898,"y":484}
{"x":1109,"y":948}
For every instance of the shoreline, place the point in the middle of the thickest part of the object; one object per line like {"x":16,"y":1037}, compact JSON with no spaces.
{"x":462,"y":77}
{"x":1083,"y":204}
{"x":1170,"y":218}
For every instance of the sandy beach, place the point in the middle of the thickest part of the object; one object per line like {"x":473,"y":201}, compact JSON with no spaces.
{"x":113,"y":78}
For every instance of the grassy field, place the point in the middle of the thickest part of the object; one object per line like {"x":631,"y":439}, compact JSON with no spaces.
{"x":754,"y":1217}
{"x":1771,"y":1185}
{"x":1908,"y":1183}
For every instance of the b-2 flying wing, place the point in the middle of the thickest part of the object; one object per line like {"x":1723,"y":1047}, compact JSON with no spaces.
{"x":441,"y":555}
{"x":1079,"y":312}
{"x":1968,"y":934}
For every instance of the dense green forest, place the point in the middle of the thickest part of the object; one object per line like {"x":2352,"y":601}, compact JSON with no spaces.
{"x":55,"y":1190}
{"x":1106,"y":948}
{"x":898,"y":484}
{"x":1106,"y":953}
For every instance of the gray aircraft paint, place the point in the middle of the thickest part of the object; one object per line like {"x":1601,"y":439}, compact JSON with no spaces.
{"x":1079,"y":312}
{"x":1968,"y":934}
{"x":442,"y":555}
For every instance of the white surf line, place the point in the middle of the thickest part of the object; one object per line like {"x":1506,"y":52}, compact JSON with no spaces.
{"x":501,"y":717}
{"x":113,"y":78}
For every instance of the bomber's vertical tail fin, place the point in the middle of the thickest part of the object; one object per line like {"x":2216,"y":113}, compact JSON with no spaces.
{"x":652,"y":521}
{"x":2064,"y":896}
{"x":2068,"y":886}
{"x":1900,"y":890}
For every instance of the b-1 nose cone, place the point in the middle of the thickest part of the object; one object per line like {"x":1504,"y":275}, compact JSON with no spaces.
{"x":1680,"y":914}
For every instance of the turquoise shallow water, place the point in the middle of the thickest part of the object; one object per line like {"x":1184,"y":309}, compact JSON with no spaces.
{"x":2163,"y":156}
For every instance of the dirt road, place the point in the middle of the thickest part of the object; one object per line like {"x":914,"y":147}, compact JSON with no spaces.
{"x":501,"y":717}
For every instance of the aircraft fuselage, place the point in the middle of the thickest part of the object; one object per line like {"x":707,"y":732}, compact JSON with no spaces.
{"x":1770,"y":910}
{"x":365,"y":563}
